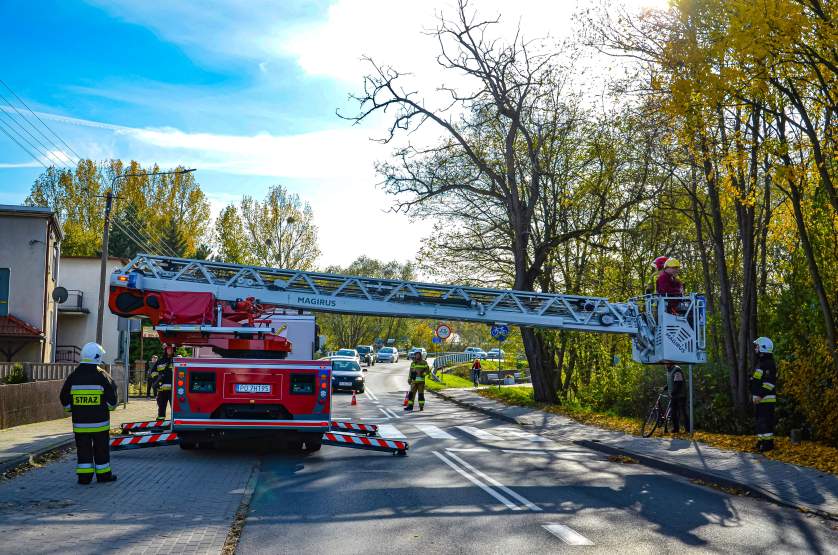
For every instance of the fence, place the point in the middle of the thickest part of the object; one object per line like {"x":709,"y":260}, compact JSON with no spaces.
{"x":44,"y":371}
{"x":26,"y":403}
{"x":449,"y":359}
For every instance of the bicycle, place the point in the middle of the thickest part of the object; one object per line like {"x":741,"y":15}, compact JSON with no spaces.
{"x":658,"y":415}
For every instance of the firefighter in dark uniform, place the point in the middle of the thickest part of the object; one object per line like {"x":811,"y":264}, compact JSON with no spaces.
{"x":419,"y":370}
{"x":163,"y":380}
{"x":763,"y":392}
{"x":89,"y":393}
{"x":678,"y":398}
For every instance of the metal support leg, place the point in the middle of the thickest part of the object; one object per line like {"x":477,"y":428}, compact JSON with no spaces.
{"x":690,"y":372}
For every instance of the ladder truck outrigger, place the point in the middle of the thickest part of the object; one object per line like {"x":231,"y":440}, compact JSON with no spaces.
{"x":254,"y":391}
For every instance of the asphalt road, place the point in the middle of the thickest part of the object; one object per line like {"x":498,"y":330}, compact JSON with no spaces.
{"x":473,"y":484}
{"x":470,"y":484}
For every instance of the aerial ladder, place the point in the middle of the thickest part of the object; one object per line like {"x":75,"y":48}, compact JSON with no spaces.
{"x":227,"y":307}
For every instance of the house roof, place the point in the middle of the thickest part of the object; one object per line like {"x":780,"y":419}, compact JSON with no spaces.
{"x":33,"y":211}
{"x":11,"y":327}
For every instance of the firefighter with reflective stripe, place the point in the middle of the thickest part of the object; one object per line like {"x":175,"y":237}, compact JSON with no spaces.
{"x":89,"y":393}
{"x":419,"y":370}
{"x":163,"y":380}
{"x":763,"y":392}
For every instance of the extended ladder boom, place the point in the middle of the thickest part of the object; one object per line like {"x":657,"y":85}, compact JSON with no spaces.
{"x":393,"y":297}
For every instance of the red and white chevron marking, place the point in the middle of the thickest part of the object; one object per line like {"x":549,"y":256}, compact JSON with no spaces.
{"x":149,"y":439}
{"x":372,"y":442}
{"x":355,"y":426}
{"x":148,"y":424}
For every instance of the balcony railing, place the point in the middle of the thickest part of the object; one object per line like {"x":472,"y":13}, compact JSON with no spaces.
{"x":74,"y":303}
{"x":67,"y":353}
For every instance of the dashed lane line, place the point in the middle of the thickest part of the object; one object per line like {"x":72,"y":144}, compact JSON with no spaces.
{"x":388,"y":431}
{"x":567,"y":534}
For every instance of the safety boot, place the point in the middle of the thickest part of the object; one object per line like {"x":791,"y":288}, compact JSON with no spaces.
{"x":768,"y":445}
{"x":408,"y":408}
{"x":758,"y":446}
{"x":106,"y":478}
{"x":85,"y":479}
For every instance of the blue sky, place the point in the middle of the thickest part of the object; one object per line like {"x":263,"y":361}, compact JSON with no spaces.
{"x":245,"y":91}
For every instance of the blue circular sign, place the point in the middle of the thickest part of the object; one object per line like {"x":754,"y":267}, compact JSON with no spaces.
{"x":500,"y":332}
{"x":436,"y":340}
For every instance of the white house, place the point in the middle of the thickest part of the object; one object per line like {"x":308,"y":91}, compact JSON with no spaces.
{"x":30,"y":240}
{"x":77,"y":315}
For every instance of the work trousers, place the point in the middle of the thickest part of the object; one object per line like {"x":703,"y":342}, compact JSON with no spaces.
{"x":94,"y":456}
{"x":765,"y":420}
{"x":680,"y":414}
{"x":416,"y":387}
{"x":164,"y":397}
{"x":149,"y":385}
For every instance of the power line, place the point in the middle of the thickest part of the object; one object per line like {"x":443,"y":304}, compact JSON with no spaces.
{"x":44,"y":150}
{"x":149,"y":243}
{"x":42,"y":121}
{"x":136,"y":240}
{"x":36,"y":158}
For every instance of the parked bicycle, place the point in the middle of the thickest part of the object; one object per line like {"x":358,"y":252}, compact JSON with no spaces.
{"x":659,"y":415}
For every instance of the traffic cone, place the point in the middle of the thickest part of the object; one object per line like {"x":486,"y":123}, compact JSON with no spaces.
{"x":406,"y":398}
{"x":354,"y":400}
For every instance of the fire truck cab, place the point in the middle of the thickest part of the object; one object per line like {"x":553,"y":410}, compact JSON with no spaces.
{"x":218,"y":399}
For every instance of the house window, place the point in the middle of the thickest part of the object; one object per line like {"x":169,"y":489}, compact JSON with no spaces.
{"x":4,"y":291}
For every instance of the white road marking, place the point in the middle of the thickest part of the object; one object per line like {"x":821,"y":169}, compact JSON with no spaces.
{"x":478,"y":433}
{"x":367,"y":394}
{"x":388,"y":431}
{"x":391,"y":413}
{"x":529,"y":504}
{"x":521,"y":434}
{"x":468,"y":449}
{"x":567,"y":534}
{"x":433,"y":431}
{"x":509,"y":504}
{"x":371,"y":394}
{"x":387,"y":414}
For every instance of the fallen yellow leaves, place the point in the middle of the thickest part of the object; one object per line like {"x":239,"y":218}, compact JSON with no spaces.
{"x":806,"y":453}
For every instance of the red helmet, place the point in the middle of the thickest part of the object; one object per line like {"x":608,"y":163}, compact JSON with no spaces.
{"x":659,"y":262}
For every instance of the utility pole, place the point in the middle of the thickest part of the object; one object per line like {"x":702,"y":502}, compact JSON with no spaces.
{"x":104,"y":268}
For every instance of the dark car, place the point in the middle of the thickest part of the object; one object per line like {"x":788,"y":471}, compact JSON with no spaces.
{"x":367,"y":354}
{"x":347,"y":375}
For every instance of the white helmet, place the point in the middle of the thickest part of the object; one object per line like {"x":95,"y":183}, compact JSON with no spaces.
{"x":92,"y":353}
{"x":764,"y":345}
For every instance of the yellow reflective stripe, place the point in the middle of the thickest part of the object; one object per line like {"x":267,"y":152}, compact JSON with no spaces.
{"x":84,"y":471}
{"x":769,"y":399}
{"x":86,"y":391}
{"x":767,"y":385}
{"x":103,"y":468}
{"x":758,"y":374}
{"x":166,"y":387}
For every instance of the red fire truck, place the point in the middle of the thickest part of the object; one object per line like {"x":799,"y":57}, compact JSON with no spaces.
{"x":252,"y":392}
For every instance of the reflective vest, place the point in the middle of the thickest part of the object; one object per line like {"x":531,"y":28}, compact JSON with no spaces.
{"x":418,"y":371}
{"x":764,"y":379}
{"x":89,"y":393}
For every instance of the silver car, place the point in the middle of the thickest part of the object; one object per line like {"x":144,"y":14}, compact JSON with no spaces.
{"x":387,"y":354}
{"x":347,"y":375}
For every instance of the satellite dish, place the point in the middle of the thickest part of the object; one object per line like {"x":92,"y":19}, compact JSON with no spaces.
{"x":59,"y":295}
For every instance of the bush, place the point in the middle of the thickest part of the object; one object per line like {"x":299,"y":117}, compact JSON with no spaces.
{"x":16,"y":375}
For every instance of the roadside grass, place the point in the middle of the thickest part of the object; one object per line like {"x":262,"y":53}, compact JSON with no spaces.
{"x":448,"y":381}
{"x":807,"y":453}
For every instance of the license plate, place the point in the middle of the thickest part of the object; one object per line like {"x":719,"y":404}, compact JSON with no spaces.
{"x":345,"y":383}
{"x":253,"y":388}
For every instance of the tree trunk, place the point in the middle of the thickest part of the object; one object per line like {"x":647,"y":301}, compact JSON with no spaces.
{"x":541,"y":370}
{"x":725,"y":302}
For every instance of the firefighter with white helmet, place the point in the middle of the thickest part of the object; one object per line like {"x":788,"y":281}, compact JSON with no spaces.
{"x":764,"y":392}
{"x":89,"y":393}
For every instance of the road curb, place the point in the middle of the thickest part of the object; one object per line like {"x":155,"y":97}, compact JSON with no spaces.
{"x":652,"y":462}
{"x":24,"y":458}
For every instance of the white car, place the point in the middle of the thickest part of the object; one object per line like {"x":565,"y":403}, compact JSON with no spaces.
{"x":387,"y":354}
{"x":347,"y":353}
{"x":475,"y":352}
{"x":496,"y":353}
{"x":413,"y":350}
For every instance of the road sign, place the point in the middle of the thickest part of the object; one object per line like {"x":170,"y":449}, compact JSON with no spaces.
{"x":500,"y":332}
{"x":443,"y":331}
{"x":436,"y":340}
